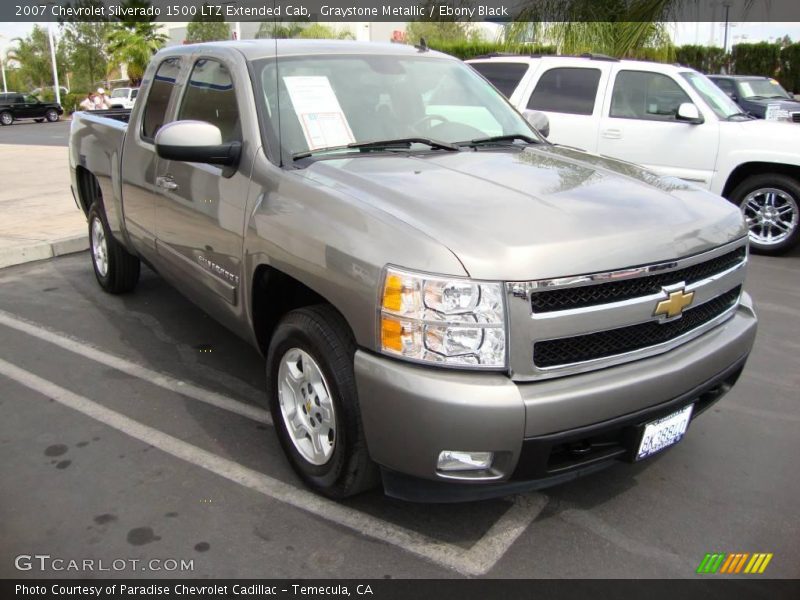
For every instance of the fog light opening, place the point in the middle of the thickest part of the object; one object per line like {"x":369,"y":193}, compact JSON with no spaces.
{"x":460,"y":460}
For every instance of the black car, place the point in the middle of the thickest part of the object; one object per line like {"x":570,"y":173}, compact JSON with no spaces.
{"x":14,"y":105}
{"x":754,"y":94}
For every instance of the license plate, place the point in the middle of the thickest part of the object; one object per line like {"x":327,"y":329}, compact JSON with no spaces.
{"x":664,"y":432}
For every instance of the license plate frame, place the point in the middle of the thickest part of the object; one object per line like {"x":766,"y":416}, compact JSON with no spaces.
{"x":660,"y":434}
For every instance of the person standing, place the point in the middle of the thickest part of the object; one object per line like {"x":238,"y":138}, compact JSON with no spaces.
{"x":88,"y":102}
{"x":100,"y":100}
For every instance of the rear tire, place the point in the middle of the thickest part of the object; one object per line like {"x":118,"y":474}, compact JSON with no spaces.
{"x":312,"y":396}
{"x":116,"y":269}
{"x":6,"y":118}
{"x":771,"y":205}
{"x":51,"y":115}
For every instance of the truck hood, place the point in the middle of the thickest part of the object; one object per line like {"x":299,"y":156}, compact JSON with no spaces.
{"x":537,"y":213}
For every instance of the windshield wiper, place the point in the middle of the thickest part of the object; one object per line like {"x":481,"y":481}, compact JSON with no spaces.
{"x":511,"y":137}
{"x":381,"y":144}
{"x":739,"y":114}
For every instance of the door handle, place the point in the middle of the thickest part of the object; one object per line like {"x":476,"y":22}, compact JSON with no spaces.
{"x":166,"y":182}
{"x":612,"y":134}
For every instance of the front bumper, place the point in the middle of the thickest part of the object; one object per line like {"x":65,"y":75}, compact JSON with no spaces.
{"x":541,"y":432}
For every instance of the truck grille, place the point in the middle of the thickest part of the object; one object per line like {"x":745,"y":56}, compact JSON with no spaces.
{"x":602,"y":344}
{"x":616,"y":291}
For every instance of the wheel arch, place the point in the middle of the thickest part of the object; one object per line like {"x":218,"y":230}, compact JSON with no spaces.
{"x":273,"y":295}
{"x":745,"y":170}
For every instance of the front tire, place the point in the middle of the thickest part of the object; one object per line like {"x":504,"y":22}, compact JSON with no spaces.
{"x":116,"y":269}
{"x":51,"y":115}
{"x":6,"y":118}
{"x":770,"y":204}
{"x":314,"y":404}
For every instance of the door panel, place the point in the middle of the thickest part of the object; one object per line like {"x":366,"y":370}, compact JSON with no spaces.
{"x":201,"y":208}
{"x":639,"y":126}
{"x":140,"y":162}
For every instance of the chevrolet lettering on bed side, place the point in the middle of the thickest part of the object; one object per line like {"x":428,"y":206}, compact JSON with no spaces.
{"x":447,"y":304}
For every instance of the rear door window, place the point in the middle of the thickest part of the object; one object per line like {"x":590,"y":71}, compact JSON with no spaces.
{"x":155,"y":109}
{"x":645,"y":95}
{"x":571,"y":90}
{"x":505,"y":76}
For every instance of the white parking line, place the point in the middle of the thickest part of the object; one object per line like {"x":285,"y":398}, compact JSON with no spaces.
{"x":131,"y":368}
{"x":478,"y":560}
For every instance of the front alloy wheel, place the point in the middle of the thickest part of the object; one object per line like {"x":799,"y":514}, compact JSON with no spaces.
{"x":770,"y":204}
{"x":306,"y":406}
{"x":771,"y":215}
{"x":6,"y":118}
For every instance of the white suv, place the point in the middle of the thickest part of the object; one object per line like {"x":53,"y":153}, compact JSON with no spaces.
{"x":670,"y":119}
{"x":123,"y":98}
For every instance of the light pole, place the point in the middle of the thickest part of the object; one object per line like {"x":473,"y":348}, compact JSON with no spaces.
{"x":3,"y":64}
{"x":53,"y":61}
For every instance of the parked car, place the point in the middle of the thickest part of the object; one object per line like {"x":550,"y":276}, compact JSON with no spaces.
{"x":670,"y":119}
{"x":123,"y":97}
{"x":15,"y":106}
{"x":756,"y":94}
{"x":443,"y":298}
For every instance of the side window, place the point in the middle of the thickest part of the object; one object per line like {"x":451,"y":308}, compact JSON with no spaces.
{"x":504,"y":76}
{"x":210,"y":97}
{"x":726,"y":85}
{"x":649,"y":96}
{"x":566,"y":90}
{"x":155,"y":110}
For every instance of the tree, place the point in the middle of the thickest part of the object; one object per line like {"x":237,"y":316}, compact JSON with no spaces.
{"x":279,"y":30}
{"x":621,"y":28}
{"x":33,"y":55}
{"x":440,"y":31}
{"x":84,"y":45}
{"x":318,"y":31}
{"x":133,"y":44}
{"x":206,"y":27}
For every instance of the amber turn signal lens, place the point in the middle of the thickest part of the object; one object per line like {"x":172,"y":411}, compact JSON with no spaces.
{"x":393,"y":293}
{"x":391,"y":334}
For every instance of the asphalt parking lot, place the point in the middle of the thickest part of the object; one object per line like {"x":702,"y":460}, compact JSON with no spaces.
{"x":133,"y":428}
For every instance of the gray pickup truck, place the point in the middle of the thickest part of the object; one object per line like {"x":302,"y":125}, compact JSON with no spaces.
{"x":446,"y":302}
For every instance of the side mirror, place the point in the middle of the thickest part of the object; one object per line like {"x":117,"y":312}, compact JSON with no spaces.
{"x":538,"y":121}
{"x":196,"y":141}
{"x":689,"y":113}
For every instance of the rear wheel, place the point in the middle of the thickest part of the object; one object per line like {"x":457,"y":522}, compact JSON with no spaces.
{"x":770,"y":204}
{"x":314,"y":404}
{"x":51,"y":115}
{"x":6,"y":118}
{"x":116,"y":269}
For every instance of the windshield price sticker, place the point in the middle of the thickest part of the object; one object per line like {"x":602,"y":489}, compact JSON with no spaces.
{"x":317,"y":107}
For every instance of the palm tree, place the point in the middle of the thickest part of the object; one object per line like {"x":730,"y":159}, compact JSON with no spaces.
{"x":133,"y":44}
{"x":621,"y":28}
{"x":33,"y":55}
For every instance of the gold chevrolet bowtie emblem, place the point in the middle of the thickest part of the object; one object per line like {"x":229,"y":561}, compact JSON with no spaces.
{"x":673,"y":306}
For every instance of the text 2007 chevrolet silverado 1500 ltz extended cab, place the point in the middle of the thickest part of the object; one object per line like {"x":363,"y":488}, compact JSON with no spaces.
{"x":444,"y":299}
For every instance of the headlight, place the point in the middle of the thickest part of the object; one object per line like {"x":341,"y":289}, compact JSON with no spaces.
{"x":441,"y":320}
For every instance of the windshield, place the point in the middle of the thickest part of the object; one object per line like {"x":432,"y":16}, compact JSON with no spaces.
{"x":332,"y":101}
{"x":716,"y":99}
{"x":120,"y":93}
{"x":761,"y":88}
